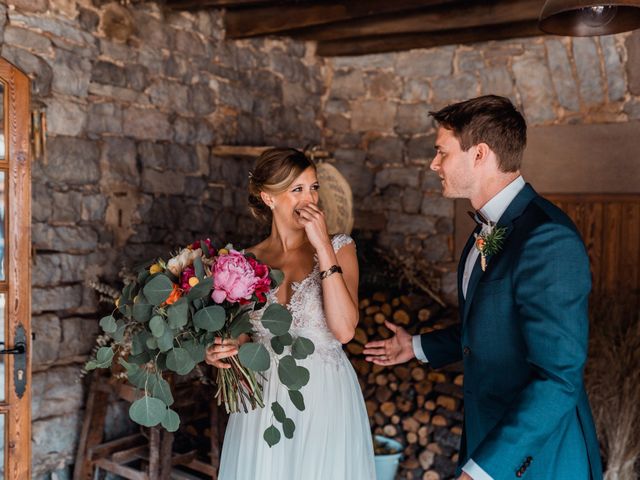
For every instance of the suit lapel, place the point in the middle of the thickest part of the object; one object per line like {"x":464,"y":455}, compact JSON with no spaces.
{"x":513,"y":211}
{"x":463,"y":260}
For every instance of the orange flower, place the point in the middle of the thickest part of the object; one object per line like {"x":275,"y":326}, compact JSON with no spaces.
{"x":480,"y":243}
{"x":175,"y":295}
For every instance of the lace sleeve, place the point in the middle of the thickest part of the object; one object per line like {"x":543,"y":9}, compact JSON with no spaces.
{"x":340,"y":240}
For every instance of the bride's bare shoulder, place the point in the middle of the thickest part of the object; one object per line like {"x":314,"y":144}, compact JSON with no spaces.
{"x":258,"y":250}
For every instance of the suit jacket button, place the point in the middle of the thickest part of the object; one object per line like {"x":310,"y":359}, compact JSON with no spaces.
{"x":466,"y":351}
{"x":518,"y":474}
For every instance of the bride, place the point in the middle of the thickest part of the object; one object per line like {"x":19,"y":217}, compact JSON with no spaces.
{"x":332,"y":438}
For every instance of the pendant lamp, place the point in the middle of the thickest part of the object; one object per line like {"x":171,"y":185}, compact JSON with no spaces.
{"x":583,"y":18}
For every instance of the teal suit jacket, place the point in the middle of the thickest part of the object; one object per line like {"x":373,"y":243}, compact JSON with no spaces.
{"x":523,"y":340}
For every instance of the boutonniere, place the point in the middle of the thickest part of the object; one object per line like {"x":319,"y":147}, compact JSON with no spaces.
{"x":489,"y":242}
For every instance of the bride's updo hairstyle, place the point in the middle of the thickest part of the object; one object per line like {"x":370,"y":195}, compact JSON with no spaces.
{"x":274,"y":172}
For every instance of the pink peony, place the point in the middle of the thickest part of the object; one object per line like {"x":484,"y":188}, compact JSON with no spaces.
{"x":234,"y":278}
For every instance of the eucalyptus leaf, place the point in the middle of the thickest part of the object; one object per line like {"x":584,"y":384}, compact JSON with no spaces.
{"x":148,"y":411}
{"x":108,"y":324}
{"x":254,"y":356}
{"x":288,"y":427}
{"x":292,"y":375}
{"x":241,"y":324}
{"x":104,"y":355}
{"x":136,"y":375}
{"x":139,"y":342}
{"x":178,"y":314}
{"x":165,"y":342}
{"x":162,"y":391}
{"x":140,"y":358}
{"x":179,"y":360}
{"x":201,"y":289}
{"x":210,"y":318}
{"x":277,"y":276}
{"x":277,"y":319}
{"x":199,"y":268}
{"x":286,"y":339}
{"x":127,"y":293}
{"x":158,"y":289}
{"x":171,"y":421}
{"x":195,"y":349}
{"x":271,"y":436}
{"x":157,"y":326}
{"x":302,"y":348}
{"x":118,"y":335}
{"x":297,"y":399}
{"x":276,"y":345}
{"x":142,"y":312}
{"x":151,"y":343}
{"x":278,"y":412}
{"x":143,"y":275}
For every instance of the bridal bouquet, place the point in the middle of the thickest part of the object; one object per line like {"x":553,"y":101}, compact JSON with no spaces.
{"x":166,"y":318}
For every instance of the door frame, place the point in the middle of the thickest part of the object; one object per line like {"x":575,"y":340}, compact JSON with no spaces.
{"x":17,"y":287}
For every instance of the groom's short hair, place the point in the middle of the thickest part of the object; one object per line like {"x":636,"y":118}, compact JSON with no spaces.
{"x":488,"y":119}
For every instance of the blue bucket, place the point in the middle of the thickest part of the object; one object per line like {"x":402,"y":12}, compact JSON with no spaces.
{"x":387,"y":465}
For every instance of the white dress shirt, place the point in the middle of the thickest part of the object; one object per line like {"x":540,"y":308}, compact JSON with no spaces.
{"x":492,"y":211}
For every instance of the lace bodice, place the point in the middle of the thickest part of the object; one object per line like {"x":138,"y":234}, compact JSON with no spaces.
{"x":307,"y":311}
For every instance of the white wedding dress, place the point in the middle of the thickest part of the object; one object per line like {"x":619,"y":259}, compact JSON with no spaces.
{"x":332,"y":439}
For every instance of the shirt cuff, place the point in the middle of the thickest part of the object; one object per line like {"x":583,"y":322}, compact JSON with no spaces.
{"x":472,"y":469}
{"x":417,"y":349}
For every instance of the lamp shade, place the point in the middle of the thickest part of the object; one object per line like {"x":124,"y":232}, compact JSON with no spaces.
{"x":582,"y":18}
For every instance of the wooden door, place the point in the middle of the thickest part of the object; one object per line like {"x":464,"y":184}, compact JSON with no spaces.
{"x":610,"y":227}
{"x":15,"y":275}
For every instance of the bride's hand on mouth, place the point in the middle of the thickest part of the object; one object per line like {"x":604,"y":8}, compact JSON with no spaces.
{"x":315,"y":225}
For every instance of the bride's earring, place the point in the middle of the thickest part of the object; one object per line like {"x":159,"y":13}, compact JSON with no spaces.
{"x":272,"y":206}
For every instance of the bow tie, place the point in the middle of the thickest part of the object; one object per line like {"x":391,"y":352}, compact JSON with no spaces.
{"x":478,"y":217}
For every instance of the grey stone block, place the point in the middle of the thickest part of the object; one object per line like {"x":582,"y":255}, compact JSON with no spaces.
{"x":411,"y":199}
{"x":137,"y":77}
{"x":118,"y":164}
{"x":534,"y":84}
{"x":39,"y":71}
{"x":46,"y":343}
{"x":55,"y":268}
{"x":27,"y":39}
{"x":235,"y":96}
{"x":385,"y":150}
{"x":633,"y":62}
{"x":425,"y":63}
{"x":454,"y":88}
{"x":72,"y":73}
{"x":421,"y":148}
{"x":562,"y":74}
{"x":360,"y":178}
{"x":614,"y":68}
{"x":383,"y":84}
{"x":153,"y":155}
{"x":72,"y":161}
{"x":183,"y":159}
{"x":410,"y":224}
{"x":416,"y":90}
{"x":167,"y":182}
{"x":189,"y":43}
{"x":431,"y":181}
{"x":93,"y":208}
{"x":347,"y":84}
{"x":66,"y":207}
{"x":170,"y":95}
{"x":109,"y":73}
{"x":104,"y":118}
{"x":632,"y":109}
{"x":67,"y":297}
{"x":65,"y":117}
{"x":146,"y":124}
{"x":88,"y":19}
{"x":151,"y":30}
{"x":364,"y":62}
{"x":496,"y":81}
{"x":587,"y":61}
{"x":64,"y":239}
{"x":201,"y":100}
{"x":50,"y":450}
{"x":373,"y":115}
{"x":78,"y":335}
{"x":404,"y":176}
{"x":56,"y":392}
{"x":413,"y":119}
{"x":40,"y":202}
{"x":437,"y":207}
{"x":469,"y":60}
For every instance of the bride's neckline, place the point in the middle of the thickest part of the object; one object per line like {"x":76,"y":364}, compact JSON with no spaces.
{"x":295,"y":286}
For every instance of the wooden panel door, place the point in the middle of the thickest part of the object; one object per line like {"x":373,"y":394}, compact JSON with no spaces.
{"x":15,"y":275}
{"x":610,"y":227}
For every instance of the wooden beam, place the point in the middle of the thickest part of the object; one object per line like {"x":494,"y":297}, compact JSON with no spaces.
{"x":469,"y":14}
{"x":199,"y":4}
{"x":275,"y":19}
{"x":392,"y":43}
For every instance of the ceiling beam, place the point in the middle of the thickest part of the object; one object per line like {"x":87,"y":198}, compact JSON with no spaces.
{"x":198,"y":4}
{"x":276,"y":19}
{"x":392,"y":43}
{"x":469,"y":14}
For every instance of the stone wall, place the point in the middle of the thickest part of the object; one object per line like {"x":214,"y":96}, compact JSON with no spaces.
{"x":128,"y":171}
{"x":376,"y":120}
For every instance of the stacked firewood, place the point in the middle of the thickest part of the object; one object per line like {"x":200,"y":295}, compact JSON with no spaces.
{"x":411,"y":403}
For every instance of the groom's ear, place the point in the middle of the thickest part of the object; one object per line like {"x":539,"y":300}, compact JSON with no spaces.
{"x":483,"y":152}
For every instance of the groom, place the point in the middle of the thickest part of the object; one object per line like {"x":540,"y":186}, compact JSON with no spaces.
{"x":523,"y":286}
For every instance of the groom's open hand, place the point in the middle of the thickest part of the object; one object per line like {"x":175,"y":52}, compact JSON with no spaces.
{"x":397,"y":349}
